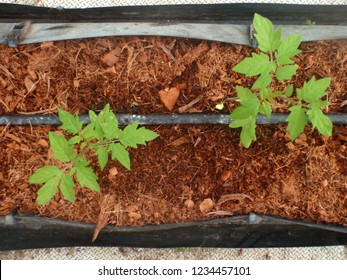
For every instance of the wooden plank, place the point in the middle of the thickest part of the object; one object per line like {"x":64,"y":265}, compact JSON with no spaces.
{"x":229,"y":33}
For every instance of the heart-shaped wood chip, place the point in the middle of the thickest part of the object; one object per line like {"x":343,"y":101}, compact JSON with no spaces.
{"x":169,"y":97}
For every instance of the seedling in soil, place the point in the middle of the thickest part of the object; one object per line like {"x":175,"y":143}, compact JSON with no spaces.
{"x":274,"y":61}
{"x":102,"y":138}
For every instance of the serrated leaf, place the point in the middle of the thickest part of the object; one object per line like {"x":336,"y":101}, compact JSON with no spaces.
{"x":121,"y":154}
{"x":264,"y":93}
{"x":88,"y":132}
{"x":263,"y":81}
{"x":145,"y":135}
{"x":44,"y":174}
{"x":319,"y":104}
{"x":265,"y":109}
{"x":265,"y":33}
{"x":66,"y":187}
{"x":87,"y":178}
{"x":253,"y":66}
{"x":286,"y":72}
{"x":71,"y":123}
{"x":75,"y":140}
{"x":272,"y":95}
{"x":95,"y":124}
{"x":105,"y":124}
{"x":320,"y":121}
{"x":297,"y":120}
{"x":248,"y":100}
{"x":131,"y":136}
{"x":248,"y":126}
{"x":287,"y":49}
{"x":244,"y":94}
{"x":102,"y":154}
{"x":81,"y":161}
{"x":314,"y":89}
{"x":48,"y":190}
{"x":289,"y":91}
{"x":60,"y":147}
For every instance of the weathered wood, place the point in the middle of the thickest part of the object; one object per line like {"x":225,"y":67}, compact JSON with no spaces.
{"x":229,"y":33}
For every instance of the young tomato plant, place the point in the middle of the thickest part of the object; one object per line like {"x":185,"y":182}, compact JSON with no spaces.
{"x":102,"y":137}
{"x":274,"y":61}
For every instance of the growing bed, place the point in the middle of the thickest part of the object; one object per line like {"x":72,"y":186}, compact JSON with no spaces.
{"x":195,"y":185}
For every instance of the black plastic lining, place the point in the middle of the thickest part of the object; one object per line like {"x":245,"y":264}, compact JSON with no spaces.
{"x":224,"y":13}
{"x":248,"y":231}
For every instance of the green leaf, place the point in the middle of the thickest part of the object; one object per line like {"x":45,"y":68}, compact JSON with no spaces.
{"x":252,"y":66}
{"x":248,"y":126}
{"x":286,"y":72}
{"x":88,"y":132}
{"x":265,"y":109}
{"x":320,"y":121}
{"x":265,"y":33}
{"x":66,"y":187}
{"x":289,"y":91}
{"x":71,"y":124}
{"x":87,"y":178}
{"x":133,"y":136}
{"x":297,"y":120}
{"x":245,"y":115}
{"x":248,"y":100}
{"x":263,"y":81}
{"x":95,"y":124}
{"x":44,"y":174}
{"x":145,"y":135}
{"x":319,"y":104}
{"x":48,"y":190}
{"x":314,"y":89}
{"x":121,"y":154}
{"x":75,"y":140}
{"x":102,"y":154}
{"x":81,"y":161}
{"x":287,"y":49}
{"x":61,"y":148}
{"x":272,"y":95}
{"x":105,"y":124}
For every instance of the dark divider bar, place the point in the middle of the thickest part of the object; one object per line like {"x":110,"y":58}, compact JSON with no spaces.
{"x":248,"y":231}
{"x":223,"y":13}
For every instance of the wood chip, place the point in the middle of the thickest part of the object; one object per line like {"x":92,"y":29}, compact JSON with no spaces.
{"x":206,"y":205}
{"x":233,"y":196}
{"x":189,"y":203}
{"x":43,"y":143}
{"x":113,"y":172}
{"x":134,"y":215}
{"x":29,"y":84}
{"x":112,"y":57}
{"x":290,"y":146}
{"x":169,"y":97}
{"x":180,"y":141}
{"x":46,"y":45}
{"x":13,"y":137}
{"x":189,"y":105}
{"x":225,"y":175}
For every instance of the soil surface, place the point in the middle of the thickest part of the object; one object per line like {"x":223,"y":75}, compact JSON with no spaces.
{"x":189,"y":172}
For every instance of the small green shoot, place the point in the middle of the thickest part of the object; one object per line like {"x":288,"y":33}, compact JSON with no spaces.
{"x":102,"y":137}
{"x":310,"y":22}
{"x":275,"y":61}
